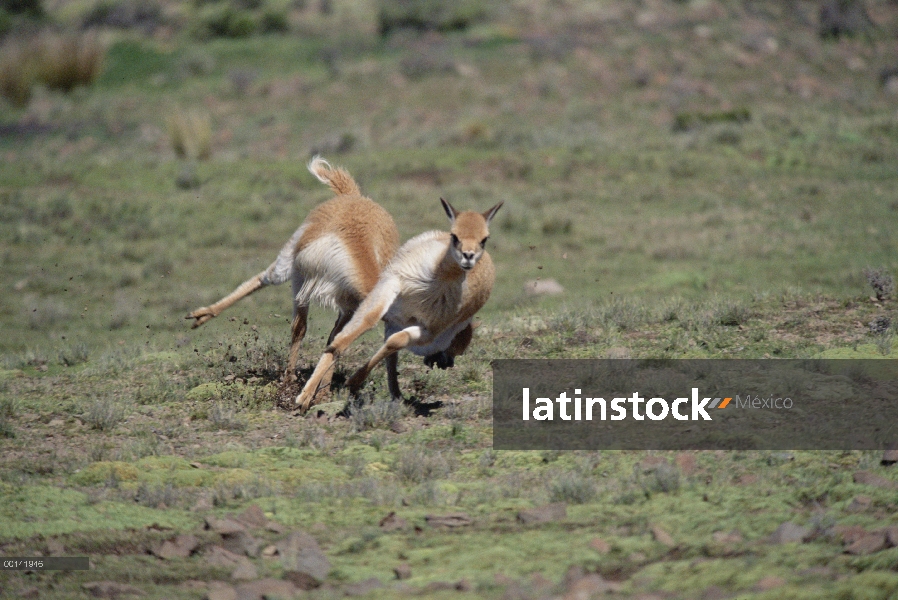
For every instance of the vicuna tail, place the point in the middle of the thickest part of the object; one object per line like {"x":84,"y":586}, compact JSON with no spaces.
{"x":338,"y":179}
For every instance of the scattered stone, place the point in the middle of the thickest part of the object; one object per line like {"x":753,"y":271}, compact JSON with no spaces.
{"x":543,"y":514}
{"x":402,"y":571}
{"x":543,"y":287}
{"x":392,"y":522}
{"x":891,"y":536}
{"x":301,"y":553}
{"x":224,"y":526}
{"x":111,"y":589}
{"x":362,"y":588}
{"x":241,"y":542}
{"x":788,"y":533}
{"x":275,"y":527}
{"x":219,"y":590}
{"x":265,"y":589}
{"x":849,"y":533}
{"x":588,"y":587}
{"x":269,"y":551}
{"x":244,"y":571}
{"x":302,"y":581}
{"x":662,"y":537}
{"x":450,"y":520}
{"x":181,"y":546}
{"x":870,"y":543}
{"x":872,"y":479}
{"x":860,"y":504}
{"x":253,"y":516}
{"x":600,"y":546}
{"x":889,"y":457}
{"x":771,"y":582}
{"x":728,"y":538}
{"x":686,"y":463}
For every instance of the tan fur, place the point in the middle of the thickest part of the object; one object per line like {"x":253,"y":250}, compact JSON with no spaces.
{"x":427,"y":296}
{"x":334,"y":258}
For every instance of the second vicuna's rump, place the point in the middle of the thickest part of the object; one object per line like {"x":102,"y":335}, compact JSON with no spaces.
{"x":427,"y":297}
{"x":334,"y":259}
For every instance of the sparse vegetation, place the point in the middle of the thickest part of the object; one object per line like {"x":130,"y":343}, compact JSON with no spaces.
{"x":703,"y":180}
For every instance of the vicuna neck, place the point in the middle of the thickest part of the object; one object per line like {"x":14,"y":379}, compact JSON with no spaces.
{"x":448,"y":269}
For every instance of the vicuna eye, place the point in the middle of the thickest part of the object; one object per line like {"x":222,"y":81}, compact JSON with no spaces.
{"x":483,"y":243}
{"x":454,"y":239}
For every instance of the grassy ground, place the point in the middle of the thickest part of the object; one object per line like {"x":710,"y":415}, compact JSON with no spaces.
{"x":704,"y":179}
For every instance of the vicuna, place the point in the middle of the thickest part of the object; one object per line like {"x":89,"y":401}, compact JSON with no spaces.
{"x":334,"y":259}
{"x":426,"y":296}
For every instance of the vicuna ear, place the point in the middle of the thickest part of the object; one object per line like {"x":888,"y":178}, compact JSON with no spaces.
{"x":450,"y":212}
{"x":488,"y":215}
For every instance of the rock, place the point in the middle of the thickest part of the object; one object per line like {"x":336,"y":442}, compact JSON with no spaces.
{"x":543,"y":287}
{"x":181,"y":546}
{"x":275,"y":527}
{"x":402,"y":571}
{"x":771,"y":582}
{"x":588,"y":587}
{"x":362,"y":588}
{"x":241,"y":567}
{"x":872,"y":479}
{"x":727,"y":538}
{"x":662,"y":537}
{"x":543,"y":514}
{"x":450,"y":520}
{"x":111,"y":589}
{"x":266,"y":589}
{"x":270,"y":551}
{"x":241,"y":542}
{"x":870,"y":543}
{"x":860,"y":504}
{"x":600,"y":546}
{"x":244,"y":571}
{"x":788,"y":533}
{"x":686,"y":463}
{"x":849,"y":533}
{"x":55,"y":547}
{"x":224,"y":526}
{"x":302,"y":581}
{"x":300,"y":553}
{"x":889,"y":457}
{"x":219,"y":590}
{"x":253,"y":516}
{"x":891,"y":536}
{"x":392,"y":522}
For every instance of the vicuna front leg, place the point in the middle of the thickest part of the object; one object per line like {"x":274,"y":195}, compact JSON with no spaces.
{"x":394,"y":344}
{"x":243,"y":290}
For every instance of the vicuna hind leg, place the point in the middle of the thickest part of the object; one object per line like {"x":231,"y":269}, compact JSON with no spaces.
{"x":394,"y":344}
{"x":244,"y":289}
{"x":298,"y":332}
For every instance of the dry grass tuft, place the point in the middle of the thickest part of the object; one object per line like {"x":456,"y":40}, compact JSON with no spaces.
{"x":191,"y":134}
{"x":59,"y":61}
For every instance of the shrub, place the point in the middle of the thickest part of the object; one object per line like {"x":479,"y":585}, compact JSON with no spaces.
{"x":881,"y":281}
{"x":224,"y":20}
{"x":429,"y":15}
{"x":17,"y":73}
{"x":126,"y":14}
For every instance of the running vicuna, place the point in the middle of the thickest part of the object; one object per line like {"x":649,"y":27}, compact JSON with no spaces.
{"x":427,"y":296}
{"x":334,"y":259}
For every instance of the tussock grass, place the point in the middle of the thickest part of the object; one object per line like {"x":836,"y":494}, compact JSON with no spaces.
{"x":190,"y":134}
{"x":418,"y":464}
{"x":104,"y":414}
{"x":60,"y":61}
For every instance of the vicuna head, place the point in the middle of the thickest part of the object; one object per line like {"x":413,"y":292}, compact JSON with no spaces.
{"x":469,"y":233}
